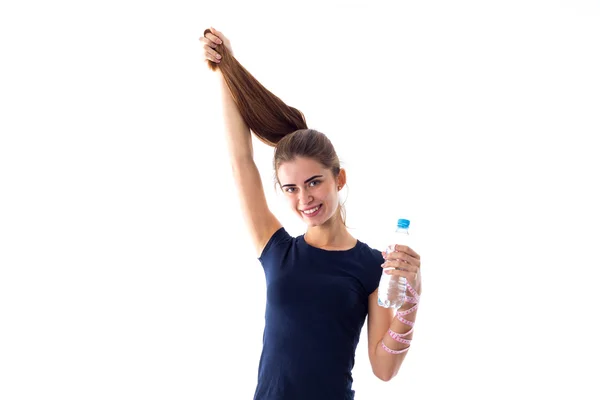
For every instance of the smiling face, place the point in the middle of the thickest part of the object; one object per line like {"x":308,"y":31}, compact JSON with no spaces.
{"x":310,"y":189}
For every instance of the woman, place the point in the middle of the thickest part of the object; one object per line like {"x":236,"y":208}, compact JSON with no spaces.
{"x":320,"y":285}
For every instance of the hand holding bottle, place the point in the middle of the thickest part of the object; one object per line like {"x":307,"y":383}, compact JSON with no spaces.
{"x":401,"y":268}
{"x":403,"y":261}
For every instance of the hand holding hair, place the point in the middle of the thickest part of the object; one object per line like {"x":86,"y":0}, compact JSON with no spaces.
{"x":267,"y":116}
{"x":213,"y":42}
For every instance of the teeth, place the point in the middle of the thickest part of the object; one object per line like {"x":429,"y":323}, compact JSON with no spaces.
{"x":312,"y":210}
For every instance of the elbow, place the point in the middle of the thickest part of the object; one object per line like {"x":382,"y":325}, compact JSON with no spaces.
{"x":385,"y":367}
{"x":385,"y":378}
{"x":385,"y":375}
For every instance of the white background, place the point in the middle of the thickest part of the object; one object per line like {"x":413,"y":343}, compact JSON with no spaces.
{"x":126,"y":271}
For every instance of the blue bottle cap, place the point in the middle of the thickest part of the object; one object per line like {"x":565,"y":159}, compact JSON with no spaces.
{"x":403,"y":223}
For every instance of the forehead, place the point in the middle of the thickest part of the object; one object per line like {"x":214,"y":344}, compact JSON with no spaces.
{"x":299,"y":169}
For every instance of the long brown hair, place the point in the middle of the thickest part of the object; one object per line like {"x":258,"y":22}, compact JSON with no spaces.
{"x":274,"y":122}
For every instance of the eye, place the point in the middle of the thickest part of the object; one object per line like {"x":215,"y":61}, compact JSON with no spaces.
{"x":310,"y":184}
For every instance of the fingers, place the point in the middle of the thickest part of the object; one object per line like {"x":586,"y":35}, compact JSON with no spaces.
{"x":403,"y":257}
{"x":212,"y":55}
{"x":407,"y":250}
{"x":399,"y":266}
{"x":210,"y":42}
{"x":404,"y":261}
{"x":213,"y":39}
{"x":217,"y":33}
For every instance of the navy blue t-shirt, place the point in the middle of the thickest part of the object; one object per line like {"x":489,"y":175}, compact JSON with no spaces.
{"x":317,"y":302}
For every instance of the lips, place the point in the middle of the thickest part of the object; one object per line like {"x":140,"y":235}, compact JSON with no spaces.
{"x":314,"y":213}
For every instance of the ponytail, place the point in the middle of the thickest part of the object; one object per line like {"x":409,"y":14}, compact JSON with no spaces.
{"x":265,"y":114}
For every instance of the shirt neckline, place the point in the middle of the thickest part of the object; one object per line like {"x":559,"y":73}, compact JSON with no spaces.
{"x":306,"y":244}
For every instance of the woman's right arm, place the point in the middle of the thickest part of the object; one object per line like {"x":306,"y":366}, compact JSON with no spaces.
{"x":260,"y":220}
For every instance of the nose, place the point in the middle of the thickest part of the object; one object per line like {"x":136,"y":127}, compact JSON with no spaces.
{"x":305,"y":197}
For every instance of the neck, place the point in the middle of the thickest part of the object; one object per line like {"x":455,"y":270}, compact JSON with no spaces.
{"x":332,"y":234}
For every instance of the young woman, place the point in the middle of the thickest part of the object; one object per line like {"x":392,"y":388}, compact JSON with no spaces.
{"x":320,"y":285}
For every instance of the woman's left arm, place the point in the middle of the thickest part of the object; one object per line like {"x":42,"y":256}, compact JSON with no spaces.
{"x":390,"y":331}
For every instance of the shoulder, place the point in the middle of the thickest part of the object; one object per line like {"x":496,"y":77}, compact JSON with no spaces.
{"x":370,"y":260}
{"x":280,"y":238}
{"x":373,"y":256}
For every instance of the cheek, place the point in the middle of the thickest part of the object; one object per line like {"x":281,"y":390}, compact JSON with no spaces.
{"x":330,"y":196}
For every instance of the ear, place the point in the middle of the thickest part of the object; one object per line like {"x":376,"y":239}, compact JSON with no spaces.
{"x":341,"y":179}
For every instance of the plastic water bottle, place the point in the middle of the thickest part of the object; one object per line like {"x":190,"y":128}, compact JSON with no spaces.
{"x":392,"y":288}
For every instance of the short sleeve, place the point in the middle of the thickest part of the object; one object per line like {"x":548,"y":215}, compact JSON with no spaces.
{"x":279,"y":239}
{"x":374,"y":270}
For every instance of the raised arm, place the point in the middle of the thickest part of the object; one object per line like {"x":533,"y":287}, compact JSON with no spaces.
{"x":259,"y":219}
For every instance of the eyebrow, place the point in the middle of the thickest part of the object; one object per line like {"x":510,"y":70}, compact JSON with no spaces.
{"x":306,"y":181}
